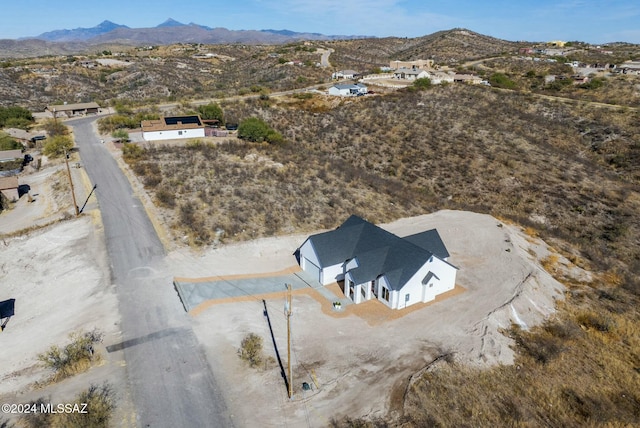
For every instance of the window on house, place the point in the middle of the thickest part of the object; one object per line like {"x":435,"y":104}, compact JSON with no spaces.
{"x":385,"y":293}
{"x":179,"y":132}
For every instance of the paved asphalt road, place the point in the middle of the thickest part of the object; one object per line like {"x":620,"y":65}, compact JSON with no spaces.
{"x":170,"y":380}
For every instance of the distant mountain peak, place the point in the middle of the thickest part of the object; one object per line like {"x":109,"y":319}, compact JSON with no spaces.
{"x":171,"y":23}
{"x":76,"y":34}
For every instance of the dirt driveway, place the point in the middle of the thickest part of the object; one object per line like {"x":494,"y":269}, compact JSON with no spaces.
{"x":358,"y":361}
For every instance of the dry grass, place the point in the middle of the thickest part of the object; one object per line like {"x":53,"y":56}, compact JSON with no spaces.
{"x":75,"y":357}
{"x":580,"y":369}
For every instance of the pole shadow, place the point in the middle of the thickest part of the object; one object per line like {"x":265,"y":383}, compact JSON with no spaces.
{"x":275,"y":346}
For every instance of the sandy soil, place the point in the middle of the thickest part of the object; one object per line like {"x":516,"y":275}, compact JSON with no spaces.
{"x":59,"y":276}
{"x":359,"y":361}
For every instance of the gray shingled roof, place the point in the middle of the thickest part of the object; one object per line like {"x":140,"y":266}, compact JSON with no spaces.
{"x":429,"y":240}
{"x":378,"y":252}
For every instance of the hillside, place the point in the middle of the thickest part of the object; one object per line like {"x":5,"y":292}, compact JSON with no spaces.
{"x":549,"y":166}
{"x":444,"y":47}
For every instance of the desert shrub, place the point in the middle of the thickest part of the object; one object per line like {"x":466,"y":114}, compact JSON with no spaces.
{"x":152,"y":180}
{"x":117,"y":121}
{"x":73,"y":357}
{"x":37,"y":419}
{"x":57,"y":146}
{"x":595,"y":83}
{"x":211,"y":111}
{"x":251,"y":349}
{"x":166,"y":197}
{"x":121,"y":134}
{"x":54,"y":128}
{"x":8,"y":143}
{"x":10,"y":116}
{"x":257,"y":130}
{"x":132,"y":151}
{"x":593,"y":320}
{"x":500,"y":80}
{"x":188,"y":213}
{"x":100,"y":405}
{"x":19,"y":123}
{"x":422,"y":83}
{"x":99,"y":401}
{"x":541,"y":347}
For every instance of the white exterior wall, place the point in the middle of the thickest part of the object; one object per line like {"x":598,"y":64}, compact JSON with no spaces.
{"x":331,"y":274}
{"x":308,"y":255}
{"x":443,"y":281}
{"x":173,"y":134}
{"x":339,"y":92}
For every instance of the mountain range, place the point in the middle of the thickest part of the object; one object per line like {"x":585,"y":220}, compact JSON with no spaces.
{"x":172,"y":31}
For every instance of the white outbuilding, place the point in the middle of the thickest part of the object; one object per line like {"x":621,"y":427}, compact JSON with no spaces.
{"x":376,"y":264}
{"x":173,"y":128}
{"x":344,"y":90}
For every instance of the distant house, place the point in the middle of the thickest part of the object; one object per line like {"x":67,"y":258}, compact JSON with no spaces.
{"x":70,"y":110}
{"x":421,"y":64}
{"x":410,"y":73}
{"x":88,"y":64}
{"x":9,"y":188}
{"x":345,"y":74}
{"x":172,"y":128}
{"x":376,"y":264}
{"x":579,"y":79}
{"x":439,"y":77}
{"x":467,"y":78}
{"x":348,"y":90}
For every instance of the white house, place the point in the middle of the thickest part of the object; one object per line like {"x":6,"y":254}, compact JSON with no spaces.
{"x":348,"y":89}
{"x":410,"y":73}
{"x":172,"y":128}
{"x":344,"y":74}
{"x":376,"y":264}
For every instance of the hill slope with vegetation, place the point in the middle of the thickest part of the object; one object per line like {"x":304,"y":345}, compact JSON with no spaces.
{"x":568,"y":172}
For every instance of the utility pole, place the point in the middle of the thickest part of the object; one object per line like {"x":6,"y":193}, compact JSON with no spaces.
{"x":288,"y":312}
{"x":73,"y":195}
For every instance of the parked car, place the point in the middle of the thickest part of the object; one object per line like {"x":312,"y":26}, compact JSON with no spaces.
{"x":38,"y":138}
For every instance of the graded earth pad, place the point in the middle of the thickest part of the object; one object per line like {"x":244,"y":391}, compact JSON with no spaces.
{"x":357,"y":361}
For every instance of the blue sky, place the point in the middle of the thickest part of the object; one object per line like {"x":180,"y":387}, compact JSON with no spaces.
{"x":541,"y":20}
